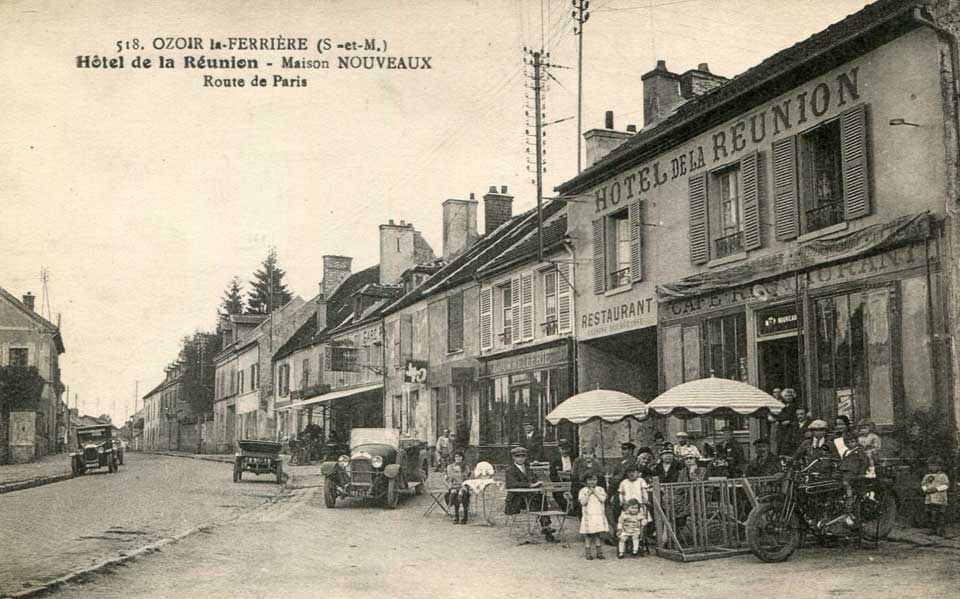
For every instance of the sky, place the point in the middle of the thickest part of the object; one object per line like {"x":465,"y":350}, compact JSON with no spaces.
{"x":142,"y":192}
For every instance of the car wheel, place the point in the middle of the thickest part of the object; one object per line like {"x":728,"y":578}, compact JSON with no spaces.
{"x":393,"y":495}
{"x":423,"y":482}
{"x":74,"y":468}
{"x":237,"y":472}
{"x":279,"y":474}
{"x":329,"y":494}
{"x":112,"y":465}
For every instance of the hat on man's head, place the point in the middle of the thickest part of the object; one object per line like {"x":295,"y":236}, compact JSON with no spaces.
{"x":788,"y":393}
{"x":682,"y":434}
{"x":628,"y":445}
{"x":666,"y":448}
{"x":762,"y":441}
{"x":817,"y":425}
{"x":518,"y":451}
{"x":644,"y":449}
{"x":564,"y":443}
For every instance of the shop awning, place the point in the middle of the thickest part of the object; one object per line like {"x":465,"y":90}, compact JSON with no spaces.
{"x":875,"y":238}
{"x":338,"y":394}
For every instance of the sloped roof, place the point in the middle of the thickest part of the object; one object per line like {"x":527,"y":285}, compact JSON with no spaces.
{"x":465,"y":267}
{"x":779,"y":73}
{"x":36,"y":317}
{"x":526,"y":249}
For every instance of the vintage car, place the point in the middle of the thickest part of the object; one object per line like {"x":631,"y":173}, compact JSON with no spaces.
{"x":380,"y":465}
{"x":258,"y":457}
{"x":95,"y":449}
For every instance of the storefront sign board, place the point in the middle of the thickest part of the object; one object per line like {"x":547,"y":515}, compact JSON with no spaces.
{"x":626,"y":315}
{"x":535,"y":360}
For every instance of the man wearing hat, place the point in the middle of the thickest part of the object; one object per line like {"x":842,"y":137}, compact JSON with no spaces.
{"x":533,"y":441}
{"x":817,"y":446}
{"x":561,"y":470}
{"x":627,"y":460}
{"x":765,"y":463}
{"x":730,"y":452}
{"x":520,"y":476}
{"x":668,"y":470}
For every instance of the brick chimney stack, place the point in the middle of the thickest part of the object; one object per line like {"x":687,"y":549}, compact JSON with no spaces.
{"x":497,"y":208}
{"x":661,"y":93}
{"x":29,"y":301}
{"x":699,"y":81}
{"x":336,"y":269}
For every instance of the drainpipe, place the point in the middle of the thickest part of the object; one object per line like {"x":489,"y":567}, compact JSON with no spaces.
{"x":952,"y":42}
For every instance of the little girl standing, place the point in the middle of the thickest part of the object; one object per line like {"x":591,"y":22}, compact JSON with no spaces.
{"x":593,"y":522}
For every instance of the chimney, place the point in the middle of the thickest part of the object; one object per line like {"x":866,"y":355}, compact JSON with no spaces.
{"x":497,"y":208}
{"x":661,"y":93}
{"x":699,"y":81}
{"x":459,"y":226}
{"x":28,"y":301}
{"x":401,"y":247}
{"x":336,"y":269}
{"x":321,"y":310}
{"x":600,"y":142}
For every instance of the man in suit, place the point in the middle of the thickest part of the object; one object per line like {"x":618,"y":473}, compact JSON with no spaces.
{"x":792,"y":435}
{"x":533,"y":441}
{"x":765,"y":464}
{"x":668,"y":469}
{"x":520,"y":476}
{"x":729,"y":451}
{"x":817,"y":446}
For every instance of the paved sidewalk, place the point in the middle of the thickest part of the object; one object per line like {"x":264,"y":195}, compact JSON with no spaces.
{"x":51,"y":468}
{"x":920,"y":538}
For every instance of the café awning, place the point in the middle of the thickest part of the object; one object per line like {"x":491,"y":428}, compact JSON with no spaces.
{"x":338,"y":394}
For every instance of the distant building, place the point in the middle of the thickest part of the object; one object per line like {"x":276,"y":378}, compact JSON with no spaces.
{"x":27,"y":339}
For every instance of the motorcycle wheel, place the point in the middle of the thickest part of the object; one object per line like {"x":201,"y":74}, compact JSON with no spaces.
{"x":879,"y":515}
{"x":393,"y":495}
{"x":329,"y":494}
{"x":767,"y":541}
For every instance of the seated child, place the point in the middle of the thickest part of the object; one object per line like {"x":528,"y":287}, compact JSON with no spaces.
{"x":853,"y":464}
{"x":869,"y":441}
{"x":457,"y":494}
{"x":630,"y":526}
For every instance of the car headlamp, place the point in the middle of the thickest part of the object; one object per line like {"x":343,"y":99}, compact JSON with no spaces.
{"x":100,"y":450}
{"x":343,"y":461}
{"x":376,"y":461}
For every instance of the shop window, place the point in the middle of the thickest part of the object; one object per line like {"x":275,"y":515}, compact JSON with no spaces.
{"x":726,"y":354}
{"x":549,"y":324}
{"x":821,"y":186}
{"x":853,"y":361}
{"x":455,"y":322}
{"x":506,"y":314}
{"x":820,"y":176}
{"x":18,"y":356}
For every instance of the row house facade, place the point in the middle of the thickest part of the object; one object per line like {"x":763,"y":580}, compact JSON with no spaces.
{"x":163,"y":408}
{"x":331,"y":372}
{"x":785,"y":228}
{"x":461,"y":354}
{"x":29,"y":340}
{"x":244,"y":403}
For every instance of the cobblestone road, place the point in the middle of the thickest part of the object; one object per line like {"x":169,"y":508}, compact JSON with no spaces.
{"x":48,"y":531}
{"x":296,"y":548}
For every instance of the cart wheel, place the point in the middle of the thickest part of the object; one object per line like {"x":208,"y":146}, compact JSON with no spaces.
{"x":393,"y":495}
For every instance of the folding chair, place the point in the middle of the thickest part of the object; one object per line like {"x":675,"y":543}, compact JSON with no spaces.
{"x":437,"y":495}
{"x":549,"y":488}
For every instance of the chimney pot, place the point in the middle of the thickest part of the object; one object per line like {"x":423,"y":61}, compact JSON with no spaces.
{"x":608,"y":120}
{"x":28,"y":301}
{"x":661,"y":65}
{"x":472,"y":196}
{"x":390,"y":222}
{"x":503,"y":189}
{"x":402,"y":223}
{"x":703,"y":67}
{"x":493,"y":189}
{"x":632,"y":128}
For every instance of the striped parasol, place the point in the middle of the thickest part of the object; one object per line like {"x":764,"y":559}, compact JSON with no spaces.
{"x":714,"y":397}
{"x":599,"y":404}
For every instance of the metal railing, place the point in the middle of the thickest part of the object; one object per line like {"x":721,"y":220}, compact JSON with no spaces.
{"x":728,"y":244}
{"x":549,"y":327}
{"x":826,"y":215}
{"x":505,"y":336}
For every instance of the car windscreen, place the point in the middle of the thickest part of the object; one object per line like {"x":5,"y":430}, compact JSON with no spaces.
{"x":382,"y":436}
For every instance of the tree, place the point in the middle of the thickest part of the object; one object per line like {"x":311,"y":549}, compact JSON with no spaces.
{"x":105,"y":419}
{"x":268,"y":279}
{"x":232,"y":300}
{"x":196,"y":357}
{"x":20,"y":388}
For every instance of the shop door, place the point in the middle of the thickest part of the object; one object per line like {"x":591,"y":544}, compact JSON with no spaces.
{"x":521,"y":411}
{"x":779,"y":364}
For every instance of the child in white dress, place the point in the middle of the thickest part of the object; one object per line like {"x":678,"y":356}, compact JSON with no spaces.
{"x":593,"y":522}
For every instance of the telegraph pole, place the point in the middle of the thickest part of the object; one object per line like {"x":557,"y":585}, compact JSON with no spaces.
{"x":537,"y":60}
{"x":580,"y":15}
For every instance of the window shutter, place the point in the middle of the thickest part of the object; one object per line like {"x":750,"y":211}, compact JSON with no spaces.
{"x":785,"y":187}
{"x":406,"y":339}
{"x":327,"y":357}
{"x":599,"y":255}
{"x":699,"y":238}
{"x":750,"y":185}
{"x":515,"y":327}
{"x":853,"y":153}
{"x":564,"y":306}
{"x":486,"y":318}
{"x":526,"y":291}
{"x":636,"y":244}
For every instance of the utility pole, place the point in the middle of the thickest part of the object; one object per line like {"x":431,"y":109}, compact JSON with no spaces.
{"x":580,"y":15}
{"x":537,"y":61}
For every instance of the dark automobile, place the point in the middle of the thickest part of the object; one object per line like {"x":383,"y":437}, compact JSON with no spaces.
{"x":95,"y":449}
{"x":258,"y":457}
{"x":379,"y":466}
